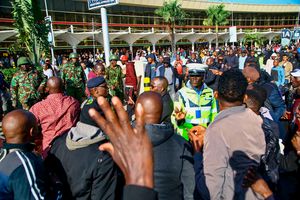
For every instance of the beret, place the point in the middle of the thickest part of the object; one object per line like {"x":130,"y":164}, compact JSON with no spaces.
{"x":94,"y":82}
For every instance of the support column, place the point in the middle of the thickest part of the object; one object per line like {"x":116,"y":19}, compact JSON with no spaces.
{"x":153,"y":47}
{"x":225,"y":43}
{"x":193,"y":46}
{"x":209,"y":44}
{"x":74,"y":47}
{"x":241,"y":43}
{"x":131,"y":47}
{"x":270,"y":39}
{"x":105,"y":35}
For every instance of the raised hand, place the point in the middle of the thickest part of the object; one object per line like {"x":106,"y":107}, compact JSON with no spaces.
{"x":196,"y":136}
{"x":130,"y":147}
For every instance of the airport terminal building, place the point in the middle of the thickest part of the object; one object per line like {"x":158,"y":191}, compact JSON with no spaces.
{"x":134,"y":23}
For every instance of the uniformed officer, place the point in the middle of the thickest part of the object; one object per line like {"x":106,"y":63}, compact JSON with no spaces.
{"x":194,"y":104}
{"x":74,"y":78}
{"x":97,"y":87}
{"x":27,"y":85}
{"x":114,"y":78}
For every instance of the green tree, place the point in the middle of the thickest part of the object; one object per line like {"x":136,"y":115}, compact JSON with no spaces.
{"x":32,"y":31}
{"x":172,"y":14}
{"x":254,"y":38}
{"x":216,"y":16}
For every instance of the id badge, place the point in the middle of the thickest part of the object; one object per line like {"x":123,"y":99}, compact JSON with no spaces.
{"x":198,"y":113}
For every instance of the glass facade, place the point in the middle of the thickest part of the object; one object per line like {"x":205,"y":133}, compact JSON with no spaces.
{"x":75,"y":12}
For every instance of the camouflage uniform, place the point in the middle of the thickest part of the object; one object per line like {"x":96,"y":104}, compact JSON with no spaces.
{"x":114,"y":77}
{"x":74,"y":79}
{"x":24,"y":88}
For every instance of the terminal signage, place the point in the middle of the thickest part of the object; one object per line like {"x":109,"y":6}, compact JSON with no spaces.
{"x":296,"y":35}
{"x":286,"y":36}
{"x":94,"y":4}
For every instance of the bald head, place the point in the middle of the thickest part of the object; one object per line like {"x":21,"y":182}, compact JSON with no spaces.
{"x":159,"y":84}
{"x":54,"y":85}
{"x":99,"y":69}
{"x":18,"y":126}
{"x":152,"y":104}
{"x":251,"y":74}
{"x":210,"y":61}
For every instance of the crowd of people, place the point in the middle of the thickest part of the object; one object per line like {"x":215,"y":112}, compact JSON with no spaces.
{"x":213,"y":124}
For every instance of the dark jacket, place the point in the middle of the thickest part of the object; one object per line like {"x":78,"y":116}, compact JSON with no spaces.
{"x":289,"y":181}
{"x":174,"y":177}
{"x":270,"y":161}
{"x":86,"y":172}
{"x":252,"y":59}
{"x":3,"y":84}
{"x":150,"y":70}
{"x":167,"y":108}
{"x":135,"y":192}
{"x":211,"y":80}
{"x":274,"y":101}
{"x":231,"y":61}
{"x":22,"y":174}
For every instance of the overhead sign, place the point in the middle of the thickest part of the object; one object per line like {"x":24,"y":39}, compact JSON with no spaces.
{"x":286,"y":36}
{"x":296,"y":35}
{"x":232,"y":34}
{"x":94,"y":4}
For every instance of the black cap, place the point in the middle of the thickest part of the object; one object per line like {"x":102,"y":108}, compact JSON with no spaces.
{"x":94,"y":82}
{"x":166,"y":60}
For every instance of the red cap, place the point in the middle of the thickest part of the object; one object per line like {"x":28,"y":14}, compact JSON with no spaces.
{"x":123,"y":58}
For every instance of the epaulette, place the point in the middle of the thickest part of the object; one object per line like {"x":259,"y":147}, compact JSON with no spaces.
{"x":89,"y":101}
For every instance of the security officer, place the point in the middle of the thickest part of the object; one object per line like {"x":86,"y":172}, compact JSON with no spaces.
{"x":98,"y":88}
{"x":74,"y":78}
{"x":194,"y":104}
{"x":27,"y":85}
{"x":114,"y":78}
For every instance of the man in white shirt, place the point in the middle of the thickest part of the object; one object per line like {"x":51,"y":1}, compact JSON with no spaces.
{"x":269,"y":64}
{"x":47,"y":71}
{"x":242,"y":59}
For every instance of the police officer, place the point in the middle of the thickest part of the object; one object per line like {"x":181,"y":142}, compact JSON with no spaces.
{"x":114,"y":78}
{"x":194,"y":104}
{"x":74,"y":78}
{"x":27,"y":85}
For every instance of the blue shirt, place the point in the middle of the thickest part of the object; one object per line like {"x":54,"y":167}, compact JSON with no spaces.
{"x":278,"y":76}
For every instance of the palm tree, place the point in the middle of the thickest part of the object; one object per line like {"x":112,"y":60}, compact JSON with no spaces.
{"x":32,"y":31}
{"x":172,"y":13}
{"x":216,"y":16}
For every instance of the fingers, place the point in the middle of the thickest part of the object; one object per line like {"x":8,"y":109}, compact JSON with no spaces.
{"x":109,"y":114}
{"x":99,"y":120}
{"x":107,"y":147}
{"x":121,"y":113}
{"x":140,"y":119}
